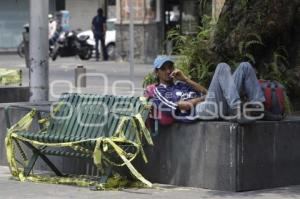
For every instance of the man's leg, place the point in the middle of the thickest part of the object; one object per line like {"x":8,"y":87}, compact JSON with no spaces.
{"x":222,"y":94}
{"x":103,"y":47}
{"x":97,"y":48}
{"x":245,"y":80}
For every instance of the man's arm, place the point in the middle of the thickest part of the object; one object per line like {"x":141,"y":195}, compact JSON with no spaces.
{"x":188,"y":104}
{"x":104,"y":27}
{"x":170,"y":103}
{"x":196,"y":86}
{"x":93,"y":25}
{"x":179,"y":75}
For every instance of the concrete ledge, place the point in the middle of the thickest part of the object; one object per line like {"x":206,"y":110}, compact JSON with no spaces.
{"x":14,"y":94}
{"x":225,"y":156}
{"x":8,"y":51}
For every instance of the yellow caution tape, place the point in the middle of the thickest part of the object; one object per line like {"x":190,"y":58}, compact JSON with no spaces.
{"x":10,"y":76}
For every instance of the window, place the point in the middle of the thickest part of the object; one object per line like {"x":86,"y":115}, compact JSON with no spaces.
{"x":111,"y":2}
{"x":144,"y":10}
{"x":150,"y":8}
{"x":60,"y":5}
{"x":190,"y":19}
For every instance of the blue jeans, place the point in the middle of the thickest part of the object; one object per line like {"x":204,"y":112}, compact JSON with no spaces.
{"x":224,"y":91}
{"x":100,"y":38}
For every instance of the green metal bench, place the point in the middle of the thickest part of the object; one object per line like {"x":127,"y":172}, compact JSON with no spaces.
{"x":108,"y":129}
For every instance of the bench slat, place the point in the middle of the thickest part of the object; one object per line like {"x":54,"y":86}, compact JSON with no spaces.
{"x":101,"y":112}
{"x":57,"y":122}
{"x":73,"y":120}
{"x":94,"y":106}
{"x":129,"y":131}
{"x":68,"y":122}
{"x":116,"y":118}
{"x":81,"y":113}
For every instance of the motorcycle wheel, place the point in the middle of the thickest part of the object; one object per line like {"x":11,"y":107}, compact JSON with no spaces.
{"x":86,"y":53}
{"x":54,"y":56}
{"x":21,"y":50}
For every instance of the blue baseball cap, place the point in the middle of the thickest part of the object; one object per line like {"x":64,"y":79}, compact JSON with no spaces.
{"x":160,"y":60}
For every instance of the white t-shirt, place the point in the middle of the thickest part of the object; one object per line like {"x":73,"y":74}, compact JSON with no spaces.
{"x":52,"y":28}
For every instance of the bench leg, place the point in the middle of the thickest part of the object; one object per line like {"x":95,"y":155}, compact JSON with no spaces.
{"x":31,"y":163}
{"x":103,"y":179}
{"x":33,"y":159}
{"x":51,"y":165}
{"x":107,"y":173}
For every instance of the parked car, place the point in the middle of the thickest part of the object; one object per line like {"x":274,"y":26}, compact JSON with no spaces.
{"x":110,"y":38}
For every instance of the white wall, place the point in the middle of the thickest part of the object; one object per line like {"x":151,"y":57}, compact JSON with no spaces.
{"x":82,"y":12}
{"x":13,"y":15}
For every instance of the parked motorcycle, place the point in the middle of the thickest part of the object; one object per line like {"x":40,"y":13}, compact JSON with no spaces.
{"x":21,"y":46}
{"x":70,"y":44}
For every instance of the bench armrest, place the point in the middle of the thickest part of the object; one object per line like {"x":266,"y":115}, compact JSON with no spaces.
{"x":44,"y":107}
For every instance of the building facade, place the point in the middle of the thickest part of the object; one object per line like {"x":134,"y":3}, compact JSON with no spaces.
{"x":152,"y":20}
{"x":15,"y":13}
{"x":82,"y":12}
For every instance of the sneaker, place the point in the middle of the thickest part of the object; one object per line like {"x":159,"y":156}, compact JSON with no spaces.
{"x":256,"y":109}
{"x":240,"y":118}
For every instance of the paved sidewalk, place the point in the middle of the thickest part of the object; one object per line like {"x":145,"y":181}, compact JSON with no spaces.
{"x":11,"y":189}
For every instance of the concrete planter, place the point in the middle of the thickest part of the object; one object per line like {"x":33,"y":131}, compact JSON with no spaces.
{"x":225,"y":156}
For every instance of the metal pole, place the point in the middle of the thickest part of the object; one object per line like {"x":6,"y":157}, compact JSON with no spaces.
{"x":131,"y":41}
{"x":80,"y":76}
{"x":38,"y":47}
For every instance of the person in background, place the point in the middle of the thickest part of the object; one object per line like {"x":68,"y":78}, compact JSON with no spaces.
{"x":99,"y":29}
{"x":52,"y":26}
{"x":186,"y":100}
{"x":53,"y":33}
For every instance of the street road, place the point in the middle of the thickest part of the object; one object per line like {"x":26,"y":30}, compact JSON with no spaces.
{"x":104,"y":77}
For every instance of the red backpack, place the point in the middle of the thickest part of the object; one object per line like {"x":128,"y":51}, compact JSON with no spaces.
{"x":163,"y":119}
{"x":275,"y":99}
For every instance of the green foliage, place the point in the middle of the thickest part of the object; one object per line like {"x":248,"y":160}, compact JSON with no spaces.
{"x":195,"y":58}
{"x":193,"y":53}
{"x":244,"y":4}
{"x":288,"y":105}
{"x":204,"y":7}
{"x":149,"y":79}
{"x":246,"y":46}
{"x":276,"y":69}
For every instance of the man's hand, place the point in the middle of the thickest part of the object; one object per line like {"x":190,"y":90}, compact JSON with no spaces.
{"x":179,"y":75}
